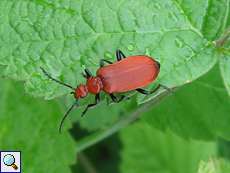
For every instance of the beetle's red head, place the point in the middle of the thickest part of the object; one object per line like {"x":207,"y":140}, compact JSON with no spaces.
{"x":94,"y":85}
{"x":81,"y":91}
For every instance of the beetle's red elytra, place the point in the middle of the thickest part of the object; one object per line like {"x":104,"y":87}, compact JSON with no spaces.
{"x":126,"y":74}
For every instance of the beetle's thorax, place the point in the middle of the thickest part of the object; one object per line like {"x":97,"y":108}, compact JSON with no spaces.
{"x":94,"y":85}
{"x":81,"y":91}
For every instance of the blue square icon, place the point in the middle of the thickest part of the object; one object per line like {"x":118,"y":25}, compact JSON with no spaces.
{"x":10,"y":162}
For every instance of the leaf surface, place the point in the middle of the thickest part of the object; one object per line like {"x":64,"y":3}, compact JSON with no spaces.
{"x":148,"y":150}
{"x":64,"y":37}
{"x":31,"y":126}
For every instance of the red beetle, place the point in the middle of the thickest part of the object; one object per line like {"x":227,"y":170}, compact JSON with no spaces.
{"x":127,"y":74}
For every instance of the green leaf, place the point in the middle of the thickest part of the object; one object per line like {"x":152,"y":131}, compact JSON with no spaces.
{"x":31,"y":126}
{"x":64,"y":37}
{"x":195,"y":11}
{"x":214,"y":166}
{"x":199,"y":110}
{"x":148,"y":150}
{"x":210,"y":17}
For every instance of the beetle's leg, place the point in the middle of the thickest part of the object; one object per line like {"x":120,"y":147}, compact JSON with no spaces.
{"x":87,"y":74}
{"x":119,"y":55}
{"x":97,"y":100}
{"x":145,"y":92}
{"x":116,"y":100}
{"x":103,"y":61}
{"x":113,"y":97}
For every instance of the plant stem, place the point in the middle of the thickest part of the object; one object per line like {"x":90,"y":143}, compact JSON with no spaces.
{"x":123,"y":122}
{"x":223,"y":39}
{"x":86,"y":164}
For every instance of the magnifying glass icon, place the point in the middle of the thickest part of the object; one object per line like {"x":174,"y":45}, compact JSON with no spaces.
{"x":9,"y":160}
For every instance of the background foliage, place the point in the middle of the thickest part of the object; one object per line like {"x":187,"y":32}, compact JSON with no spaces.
{"x":176,"y":130}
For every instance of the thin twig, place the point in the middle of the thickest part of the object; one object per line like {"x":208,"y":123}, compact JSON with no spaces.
{"x":123,"y":122}
{"x":86,"y":164}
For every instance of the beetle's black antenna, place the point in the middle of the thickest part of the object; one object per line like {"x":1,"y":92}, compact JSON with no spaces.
{"x":49,"y":76}
{"x":88,"y":73}
{"x":66,"y":114}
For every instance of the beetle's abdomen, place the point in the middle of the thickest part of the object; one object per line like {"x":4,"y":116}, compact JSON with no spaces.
{"x":128,"y":74}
